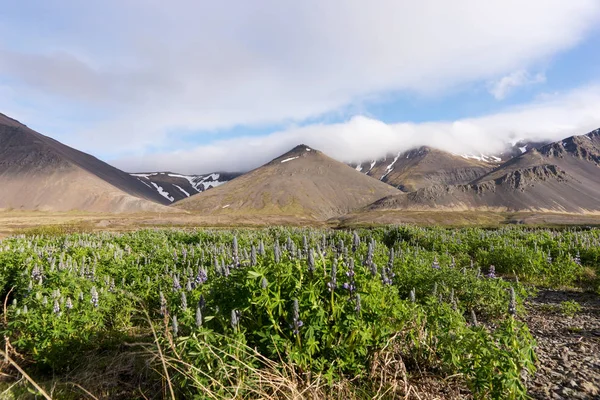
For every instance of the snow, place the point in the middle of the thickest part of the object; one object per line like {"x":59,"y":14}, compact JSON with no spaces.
{"x":162,"y":192}
{"x":289,"y":159}
{"x":144,"y":175}
{"x":481,"y":157}
{"x":523,"y":149}
{"x":182,"y":190}
{"x":390,"y":167}
{"x":372,"y":165}
{"x":144,"y":183}
{"x":307,"y":149}
{"x":358,"y":167}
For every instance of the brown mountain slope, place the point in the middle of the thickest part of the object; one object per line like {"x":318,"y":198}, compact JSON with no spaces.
{"x":424,"y":167}
{"x":303,"y":183}
{"x":560,"y":177}
{"x":39,"y":173}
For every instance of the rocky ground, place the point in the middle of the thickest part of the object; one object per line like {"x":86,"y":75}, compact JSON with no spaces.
{"x":568,"y":347}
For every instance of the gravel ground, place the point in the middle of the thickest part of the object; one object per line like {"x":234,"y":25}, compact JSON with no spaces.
{"x":568,"y":349}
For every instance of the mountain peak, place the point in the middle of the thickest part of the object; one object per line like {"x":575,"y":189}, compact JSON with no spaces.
{"x":300,"y":150}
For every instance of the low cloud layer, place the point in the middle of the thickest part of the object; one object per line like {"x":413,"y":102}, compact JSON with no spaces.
{"x":134,"y":72}
{"x":359,"y":139}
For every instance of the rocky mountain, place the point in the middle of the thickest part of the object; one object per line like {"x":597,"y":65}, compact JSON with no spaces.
{"x":425,"y":166}
{"x":175,"y":187}
{"x":563,"y":176}
{"x":303,"y":183}
{"x":40,"y":173}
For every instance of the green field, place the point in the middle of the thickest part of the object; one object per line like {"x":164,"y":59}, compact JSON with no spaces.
{"x":279,"y":313}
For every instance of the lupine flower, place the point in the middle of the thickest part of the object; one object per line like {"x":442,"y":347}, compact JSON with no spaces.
{"x":95,"y":299}
{"x":183,"y":301}
{"x":311,"y":261}
{"x":253,"y":256}
{"x":577,"y":259}
{"x":235,"y":318}
{"x":80,"y":296}
{"x":198,"y":317}
{"x":202,"y":302}
{"x":175,"y":325}
{"x":25,"y":309}
{"x":69,"y":303}
{"x":111,"y":288}
{"x":391,"y":258}
{"x":436,"y":264}
{"x":512,"y":304}
{"x":412,"y":295}
{"x":473,"y":317}
{"x":358,"y":305}
{"x":277,"y":253}
{"x":297,"y":323}
{"x":188,"y":285}
{"x":373,"y":269}
{"x":332,"y":284}
{"x":434,"y":289}
{"x":201,"y":277}
{"x":491,"y":272}
{"x":304,"y":244}
{"x":56,"y":308}
{"x":264,"y":283}
{"x":549,"y":257}
{"x":235,"y":247}
{"x":261,"y":248}
{"x":355,"y":242}
{"x":176,"y":284}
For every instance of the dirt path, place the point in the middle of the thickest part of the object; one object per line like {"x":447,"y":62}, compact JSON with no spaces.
{"x":568,"y":348}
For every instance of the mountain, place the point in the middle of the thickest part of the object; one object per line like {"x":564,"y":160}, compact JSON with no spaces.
{"x":303,"y":183}
{"x":175,"y":187}
{"x":40,"y":173}
{"x":563,"y":176}
{"x":426,"y":166}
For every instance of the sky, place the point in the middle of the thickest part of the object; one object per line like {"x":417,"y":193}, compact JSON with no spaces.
{"x":196,"y":86}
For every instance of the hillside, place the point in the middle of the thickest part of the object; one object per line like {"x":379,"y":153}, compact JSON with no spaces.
{"x":175,"y":187}
{"x":39,"y":173}
{"x":303,"y":182}
{"x":563,"y":176}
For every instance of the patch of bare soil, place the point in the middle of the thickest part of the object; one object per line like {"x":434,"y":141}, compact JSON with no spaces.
{"x":568,"y":348}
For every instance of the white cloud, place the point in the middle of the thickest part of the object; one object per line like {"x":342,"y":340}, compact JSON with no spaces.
{"x":146,"y":68}
{"x":361,"y":138}
{"x":502,"y":87}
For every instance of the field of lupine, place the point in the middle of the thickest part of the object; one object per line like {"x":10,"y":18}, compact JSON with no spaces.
{"x":278,"y":313}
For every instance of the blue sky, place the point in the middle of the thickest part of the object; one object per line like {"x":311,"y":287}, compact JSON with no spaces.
{"x":197,"y":86}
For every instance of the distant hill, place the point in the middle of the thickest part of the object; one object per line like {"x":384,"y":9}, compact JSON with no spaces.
{"x":40,"y":173}
{"x":563,"y":176}
{"x":174,"y":187}
{"x":303,"y":182}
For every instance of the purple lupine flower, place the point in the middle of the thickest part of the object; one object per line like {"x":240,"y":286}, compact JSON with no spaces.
{"x":183,"y":301}
{"x":253,"y":256}
{"x":311,"y":261}
{"x":549,"y":258}
{"x":176,"y":284}
{"x":163,"y":304}
{"x":56,"y":308}
{"x":332,"y":284}
{"x":357,"y":308}
{"x":198,"y":317}
{"x":261,"y":248}
{"x":491,"y":272}
{"x":277,"y":253}
{"x":304,"y":244}
{"x":95,"y":298}
{"x":577,"y":259}
{"x":355,"y":242}
{"x":391,"y":258}
{"x":264,"y":284}
{"x":512,"y":304}
{"x":297,"y":323}
{"x":201,"y":277}
{"x":436,"y":264}
{"x":202,"y":302}
{"x":69,"y":303}
{"x":175,"y":325}
{"x":412,"y":295}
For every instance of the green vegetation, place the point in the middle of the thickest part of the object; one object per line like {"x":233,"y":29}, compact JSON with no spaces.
{"x":570,"y":308}
{"x":280,"y":312}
